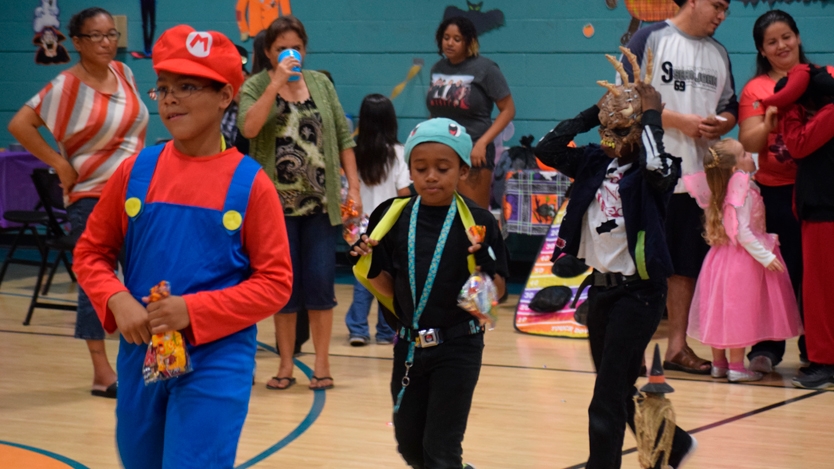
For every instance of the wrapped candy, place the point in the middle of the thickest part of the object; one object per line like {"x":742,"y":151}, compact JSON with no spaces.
{"x":479,"y":297}
{"x":353,"y":224}
{"x":166,"y":357}
{"x":476,"y":233}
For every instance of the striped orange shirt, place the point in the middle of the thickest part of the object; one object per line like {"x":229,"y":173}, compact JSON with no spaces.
{"x":95,"y":131}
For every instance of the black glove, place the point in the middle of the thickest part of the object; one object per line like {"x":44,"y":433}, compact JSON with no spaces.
{"x":485,"y":259}
{"x":822,"y":83}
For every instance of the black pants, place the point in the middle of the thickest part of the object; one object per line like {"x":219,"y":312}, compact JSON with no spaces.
{"x":781,"y":221}
{"x":431,"y":421}
{"x":621,"y":322}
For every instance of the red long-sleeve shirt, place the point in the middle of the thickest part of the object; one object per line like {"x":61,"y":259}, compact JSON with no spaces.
{"x":200,"y":182}
{"x":804,"y":135}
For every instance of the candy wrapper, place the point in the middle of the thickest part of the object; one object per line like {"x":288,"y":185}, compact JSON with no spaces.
{"x":479,"y":296}
{"x":476,"y":233}
{"x":353,"y":224}
{"x":167,"y":356}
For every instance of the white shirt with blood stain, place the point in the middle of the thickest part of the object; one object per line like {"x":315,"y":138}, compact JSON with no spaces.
{"x":604,"y":244}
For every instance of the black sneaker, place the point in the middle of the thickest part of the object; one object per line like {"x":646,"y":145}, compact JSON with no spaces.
{"x":817,"y":377}
{"x":676,"y":460}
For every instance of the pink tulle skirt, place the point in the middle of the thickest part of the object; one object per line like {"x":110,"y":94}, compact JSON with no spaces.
{"x":738,"y":302}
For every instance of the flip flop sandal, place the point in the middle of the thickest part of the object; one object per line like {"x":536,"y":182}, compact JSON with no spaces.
{"x":687,"y":362}
{"x":322,"y":378}
{"x":290,"y":382}
{"x":109,"y":393}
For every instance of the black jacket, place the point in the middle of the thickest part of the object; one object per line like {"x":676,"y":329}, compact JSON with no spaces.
{"x":645,"y":188}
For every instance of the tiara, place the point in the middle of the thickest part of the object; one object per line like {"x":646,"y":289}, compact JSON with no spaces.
{"x":715,"y":160}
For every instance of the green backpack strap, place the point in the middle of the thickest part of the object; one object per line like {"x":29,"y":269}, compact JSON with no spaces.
{"x":363,"y":266}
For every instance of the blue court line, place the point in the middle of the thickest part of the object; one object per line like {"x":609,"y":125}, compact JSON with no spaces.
{"x":69,"y":462}
{"x":315,"y":411}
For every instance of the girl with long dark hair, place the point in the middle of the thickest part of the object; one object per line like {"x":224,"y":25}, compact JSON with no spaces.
{"x":383,"y":174}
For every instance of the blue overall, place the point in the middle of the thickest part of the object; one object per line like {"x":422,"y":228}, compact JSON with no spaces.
{"x":195,"y":420}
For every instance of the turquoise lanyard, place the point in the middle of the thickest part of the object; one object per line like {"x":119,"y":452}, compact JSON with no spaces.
{"x":435,"y":264}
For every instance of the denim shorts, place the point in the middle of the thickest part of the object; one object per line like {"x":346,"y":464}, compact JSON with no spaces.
{"x":87,"y":323}
{"x":313,"y":252}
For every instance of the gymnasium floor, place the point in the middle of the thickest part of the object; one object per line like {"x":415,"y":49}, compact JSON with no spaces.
{"x":529,"y":411}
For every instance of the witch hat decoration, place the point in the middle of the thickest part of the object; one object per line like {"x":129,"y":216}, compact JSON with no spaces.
{"x":657,"y":381}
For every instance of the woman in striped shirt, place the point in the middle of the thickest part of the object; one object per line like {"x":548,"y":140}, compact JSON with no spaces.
{"x":94,"y":112}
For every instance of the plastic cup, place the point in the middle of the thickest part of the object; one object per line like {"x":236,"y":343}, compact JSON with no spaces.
{"x":296,"y":55}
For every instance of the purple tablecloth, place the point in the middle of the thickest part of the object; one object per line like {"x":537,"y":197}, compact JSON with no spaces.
{"x":17,"y":191}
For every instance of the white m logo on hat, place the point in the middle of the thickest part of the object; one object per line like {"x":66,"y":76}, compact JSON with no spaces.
{"x":198,"y":43}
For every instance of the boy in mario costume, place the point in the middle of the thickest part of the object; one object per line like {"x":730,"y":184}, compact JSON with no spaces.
{"x":208,"y":220}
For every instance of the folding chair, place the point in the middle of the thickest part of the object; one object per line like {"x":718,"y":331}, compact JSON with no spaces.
{"x":51,"y":195}
{"x":30,"y":220}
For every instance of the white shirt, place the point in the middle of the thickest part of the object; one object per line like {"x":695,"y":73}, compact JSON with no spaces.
{"x":604,"y":244}
{"x":693,"y":76}
{"x":397,"y":178}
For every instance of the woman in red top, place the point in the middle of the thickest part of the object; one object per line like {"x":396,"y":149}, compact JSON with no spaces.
{"x":779,"y":49}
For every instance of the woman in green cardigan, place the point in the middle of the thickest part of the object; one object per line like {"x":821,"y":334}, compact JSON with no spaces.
{"x":299,"y":134}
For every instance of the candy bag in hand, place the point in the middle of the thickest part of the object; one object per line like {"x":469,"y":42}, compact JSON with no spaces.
{"x":353,"y":224}
{"x":167,"y":356}
{"x":479,"y":296}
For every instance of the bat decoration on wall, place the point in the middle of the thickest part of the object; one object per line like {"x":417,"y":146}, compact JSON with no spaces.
{"x":483,"y":20}
{"x":148,"y":11}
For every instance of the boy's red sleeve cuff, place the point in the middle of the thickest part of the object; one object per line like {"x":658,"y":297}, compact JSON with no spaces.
{"x":105,"y":315}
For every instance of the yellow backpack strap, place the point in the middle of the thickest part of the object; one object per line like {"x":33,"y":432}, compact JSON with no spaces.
{"x":361,"y":269}
{"x":468,"y":222}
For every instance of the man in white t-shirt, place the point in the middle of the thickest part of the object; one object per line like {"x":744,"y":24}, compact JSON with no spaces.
{"x":693,"y":75}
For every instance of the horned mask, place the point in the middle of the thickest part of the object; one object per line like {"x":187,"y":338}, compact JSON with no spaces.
{"x":621,"y":109}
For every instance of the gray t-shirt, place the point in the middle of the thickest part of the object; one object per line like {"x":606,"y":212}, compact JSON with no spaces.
{"x":466,"y":92}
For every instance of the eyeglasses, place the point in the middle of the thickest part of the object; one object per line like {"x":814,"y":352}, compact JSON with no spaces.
{"x":112,"y":36}
{"x":179,"y":91}
{"x":721,"y":8}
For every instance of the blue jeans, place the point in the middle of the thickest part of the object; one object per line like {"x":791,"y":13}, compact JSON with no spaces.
{"x":87,"y":324}
{"x":313,"y":251}
{"x":357,"y":316}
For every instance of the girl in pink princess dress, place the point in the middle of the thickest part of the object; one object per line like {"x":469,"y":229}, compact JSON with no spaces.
{"x":743,"y":295}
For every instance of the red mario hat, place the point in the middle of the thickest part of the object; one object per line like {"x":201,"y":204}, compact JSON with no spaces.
{"x":206,"y":54}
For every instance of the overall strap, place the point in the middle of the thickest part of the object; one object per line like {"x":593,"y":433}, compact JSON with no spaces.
{"x":237,"y":197}
{"x":140,"y":179}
